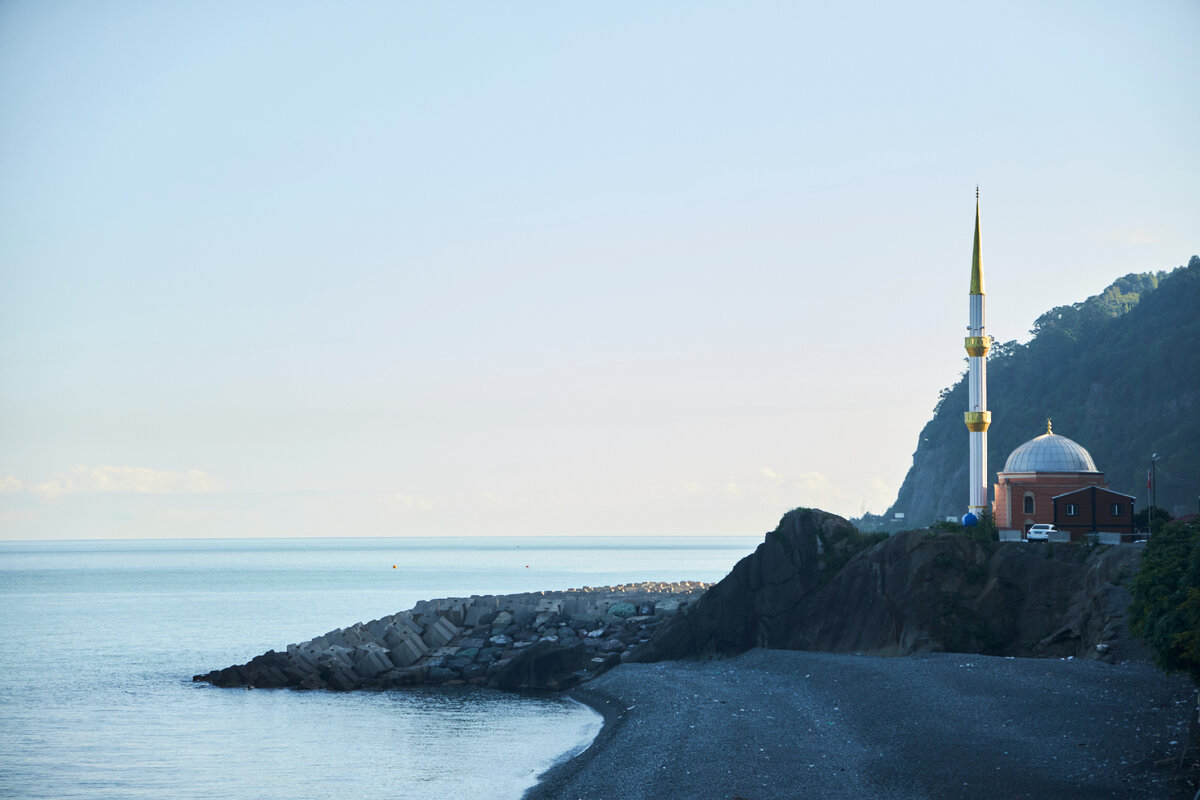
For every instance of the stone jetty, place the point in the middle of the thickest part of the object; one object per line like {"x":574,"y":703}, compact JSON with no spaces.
{"x":538,"y":640}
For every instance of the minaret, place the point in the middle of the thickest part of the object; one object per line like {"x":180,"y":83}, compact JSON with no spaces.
{"x":977,"y":417}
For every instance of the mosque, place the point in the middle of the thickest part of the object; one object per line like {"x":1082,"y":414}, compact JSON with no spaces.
{"x":1049,"y":479}
{"x":1052,"y":479}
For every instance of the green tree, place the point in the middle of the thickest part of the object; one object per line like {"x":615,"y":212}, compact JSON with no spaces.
{"x":1166,"y":598}
{"x":1144,"y":521}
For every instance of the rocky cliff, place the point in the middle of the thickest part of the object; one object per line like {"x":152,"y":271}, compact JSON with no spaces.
{"x":915,"y":592}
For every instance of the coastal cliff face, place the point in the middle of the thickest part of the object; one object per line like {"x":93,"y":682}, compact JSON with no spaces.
{"x":915,"y":592}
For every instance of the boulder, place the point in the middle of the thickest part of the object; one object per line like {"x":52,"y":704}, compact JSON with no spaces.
{"x":622,"y":610}
{"x":539,"y":666}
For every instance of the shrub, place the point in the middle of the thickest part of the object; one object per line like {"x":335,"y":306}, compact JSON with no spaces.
{"x":1166,"y":598}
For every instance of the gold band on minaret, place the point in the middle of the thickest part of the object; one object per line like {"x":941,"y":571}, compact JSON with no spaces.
{"x":977,"y":346}
{"x":977,"y":421}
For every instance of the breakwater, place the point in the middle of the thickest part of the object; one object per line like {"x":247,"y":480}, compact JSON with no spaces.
{"x":534,"y":640}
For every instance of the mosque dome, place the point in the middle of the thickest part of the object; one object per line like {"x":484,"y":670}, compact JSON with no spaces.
{"x":1050,"y":453}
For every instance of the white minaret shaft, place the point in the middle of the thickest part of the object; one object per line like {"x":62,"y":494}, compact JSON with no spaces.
{"x":978,"y":418}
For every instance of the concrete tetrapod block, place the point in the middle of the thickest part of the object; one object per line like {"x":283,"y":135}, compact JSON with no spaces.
{"x":581,"y":606}
{"x":370,"y":660}
{"x":408,"y":649}
{"x":481,"y":606}
{"x":337,"y":656}
{"x":396,"y":634}
{"x":405,"y":620}
{"x":377,"y":627}
{"x":439,"y":632}
{"x":343,"y":680}
{"x":304,"y":656}
{"x":344,"y":637}
{"x":355,"y":635}
{"x":549,"y":605}
{"x":456,"y":610}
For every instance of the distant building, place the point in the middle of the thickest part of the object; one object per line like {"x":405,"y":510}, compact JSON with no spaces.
{"x":1094,"y":509}
{"x":1052,"y":479}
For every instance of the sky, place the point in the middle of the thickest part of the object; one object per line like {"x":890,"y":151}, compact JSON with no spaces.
{"x":552,"y":269}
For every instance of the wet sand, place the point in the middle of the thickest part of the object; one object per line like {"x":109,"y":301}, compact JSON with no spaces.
{"x":787,"y":724}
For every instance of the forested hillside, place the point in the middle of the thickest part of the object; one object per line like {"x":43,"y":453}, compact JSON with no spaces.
{"x":1119,"y":373}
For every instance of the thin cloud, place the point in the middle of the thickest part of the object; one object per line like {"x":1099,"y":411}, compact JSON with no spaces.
{"x":410,"y":503}
{"x":107,"y":478}
{"x":812,"y":481}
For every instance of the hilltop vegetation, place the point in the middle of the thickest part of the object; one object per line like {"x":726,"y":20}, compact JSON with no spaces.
{"x":1119,"y":373}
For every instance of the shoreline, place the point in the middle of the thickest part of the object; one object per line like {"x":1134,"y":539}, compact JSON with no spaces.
{"x":554,"y":779}
{"x":784,"y":724}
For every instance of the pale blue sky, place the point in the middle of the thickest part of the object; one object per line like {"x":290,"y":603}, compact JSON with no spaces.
{"x":274,"y":269}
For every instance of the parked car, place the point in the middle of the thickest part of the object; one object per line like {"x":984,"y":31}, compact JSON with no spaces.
{"x":1039,"y":533}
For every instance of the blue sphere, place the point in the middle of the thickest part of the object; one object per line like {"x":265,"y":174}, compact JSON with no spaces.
{"x":970,"y":520}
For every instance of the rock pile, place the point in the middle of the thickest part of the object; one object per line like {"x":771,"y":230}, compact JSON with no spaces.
{"x":539,"y":640}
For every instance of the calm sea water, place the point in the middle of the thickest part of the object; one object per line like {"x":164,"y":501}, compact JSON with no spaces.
{"x":100,"y":640}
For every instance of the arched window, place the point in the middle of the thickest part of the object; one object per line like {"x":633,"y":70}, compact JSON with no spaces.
{"x":1028,"y":504}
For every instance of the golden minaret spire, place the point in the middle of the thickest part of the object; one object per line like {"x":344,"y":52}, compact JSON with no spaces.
{"x":976,"y":262}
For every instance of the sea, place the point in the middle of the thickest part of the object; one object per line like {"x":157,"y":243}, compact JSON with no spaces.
{"x":100,"y":640}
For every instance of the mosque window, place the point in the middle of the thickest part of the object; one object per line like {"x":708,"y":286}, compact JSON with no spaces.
{"x":1117,"y":510}
{"x":1028,"y":504}
{"x":1072,"y":510}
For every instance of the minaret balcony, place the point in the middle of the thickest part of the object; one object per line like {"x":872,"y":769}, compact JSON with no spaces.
{"x":977,"y":346}
{"x":977,"y":421}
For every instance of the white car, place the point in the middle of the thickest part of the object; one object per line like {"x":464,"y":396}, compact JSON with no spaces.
{"x":1039,"y":533}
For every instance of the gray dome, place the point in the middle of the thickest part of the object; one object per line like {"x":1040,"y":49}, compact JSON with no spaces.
{"x":1050,"y":453}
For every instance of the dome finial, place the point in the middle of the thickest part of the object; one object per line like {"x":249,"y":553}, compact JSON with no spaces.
{"x":1049,"y":430}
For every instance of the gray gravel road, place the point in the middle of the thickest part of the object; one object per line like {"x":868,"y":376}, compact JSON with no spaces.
{"x":786,"y":724}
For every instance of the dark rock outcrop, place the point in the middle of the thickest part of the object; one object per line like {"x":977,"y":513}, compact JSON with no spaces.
{"x":916,"y":592}
{"x":752,"y":606}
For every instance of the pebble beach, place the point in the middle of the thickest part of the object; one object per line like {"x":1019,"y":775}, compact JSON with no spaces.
{"x":774,"y":724}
